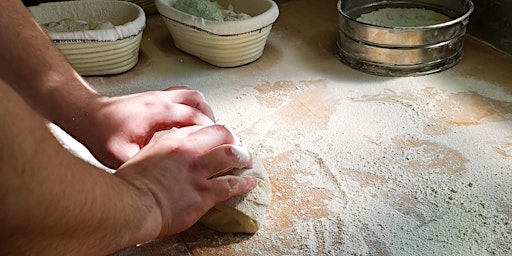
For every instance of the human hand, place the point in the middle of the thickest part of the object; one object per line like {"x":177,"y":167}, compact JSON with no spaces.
{"x":182,"y":174}
{"x":118,"y":127}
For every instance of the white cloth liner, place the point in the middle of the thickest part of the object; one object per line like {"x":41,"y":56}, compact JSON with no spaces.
{"x":263,"y":13}
{"x":128,"y":18}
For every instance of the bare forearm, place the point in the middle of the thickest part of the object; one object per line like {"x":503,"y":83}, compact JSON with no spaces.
{"x":55,"y":204}
{"x":37,"y":70}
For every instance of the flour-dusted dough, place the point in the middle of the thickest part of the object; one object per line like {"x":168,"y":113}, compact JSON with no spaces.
{"x":242,"y":214}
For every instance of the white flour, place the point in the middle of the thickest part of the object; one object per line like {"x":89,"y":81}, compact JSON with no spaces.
{"x":403,"y":17}
{"x":210,"y":10}
{"x":70,"y":25}
{"x":359,"y":165}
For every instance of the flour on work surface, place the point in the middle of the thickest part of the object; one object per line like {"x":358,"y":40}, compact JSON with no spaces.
{"x":422,"y":169}
{"x":405,"y":183}
{"x":403,"y":17}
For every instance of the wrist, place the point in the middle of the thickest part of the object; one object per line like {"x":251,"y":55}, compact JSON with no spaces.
{"x":73,"y":106}
{"x":74,"y":103}
{"x":145,"y":212}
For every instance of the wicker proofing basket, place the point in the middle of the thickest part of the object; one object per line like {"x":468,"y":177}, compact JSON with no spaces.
{"x":97,"y":52}
{"x":223,"y":44}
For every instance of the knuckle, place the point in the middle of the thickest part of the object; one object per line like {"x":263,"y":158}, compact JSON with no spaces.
{"x":221,"y":129}
{"x":231,"y":156}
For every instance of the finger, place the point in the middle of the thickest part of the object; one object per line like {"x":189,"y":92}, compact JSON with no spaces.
{"x":119,"y":157}
{"x":180,"y":133}
{"x":178,"y":87}
{"x":183,"y":115}
{"x":225,"y":187}
{"x":129,"y":151}
{"x":185,"y":95}
{"x":223,"y":158}
{"x":209,"y":137}
{"x":176,"y":133}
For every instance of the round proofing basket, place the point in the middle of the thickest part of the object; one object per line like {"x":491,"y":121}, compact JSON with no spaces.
{"x":223,"y":44}
{"x":97,"y":52}
{"x":401,"y":51}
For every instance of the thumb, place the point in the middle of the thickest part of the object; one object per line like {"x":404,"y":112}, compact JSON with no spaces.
{"x":121,"y":155}
{"x":130,"y":151}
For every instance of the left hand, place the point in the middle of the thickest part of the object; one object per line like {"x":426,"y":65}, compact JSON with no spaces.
{"x":119,"y":127}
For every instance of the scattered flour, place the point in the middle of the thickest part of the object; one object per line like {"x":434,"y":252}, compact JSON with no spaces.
{"x":210,"y":10}
{"x":403,"y":17}
{"x":71,"y":25}
{"x":368,"y":177}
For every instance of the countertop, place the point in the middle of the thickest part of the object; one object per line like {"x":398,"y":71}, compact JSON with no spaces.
{"x":359,"y":164}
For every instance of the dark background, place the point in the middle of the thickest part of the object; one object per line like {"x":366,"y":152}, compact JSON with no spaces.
{"x":492,"y":22}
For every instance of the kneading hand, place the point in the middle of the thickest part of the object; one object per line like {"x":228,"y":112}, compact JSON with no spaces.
{"x":182,"y":173}
{"x":118,"y":127}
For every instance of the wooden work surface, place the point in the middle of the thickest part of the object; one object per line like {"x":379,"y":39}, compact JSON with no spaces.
{"x":359,"y":164}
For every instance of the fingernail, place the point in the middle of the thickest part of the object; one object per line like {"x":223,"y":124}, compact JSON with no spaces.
{"x":202,"y":96}
{"x":243,"y":155}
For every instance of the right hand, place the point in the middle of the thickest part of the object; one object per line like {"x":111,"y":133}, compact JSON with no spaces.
{"x":182,"y":174}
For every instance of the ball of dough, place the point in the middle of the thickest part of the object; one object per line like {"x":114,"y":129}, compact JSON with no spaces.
{"x":245,"y":213}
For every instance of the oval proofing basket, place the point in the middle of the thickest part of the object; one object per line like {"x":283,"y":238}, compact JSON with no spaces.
{"x":223,"y":44}
{"x":97,"y":52}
